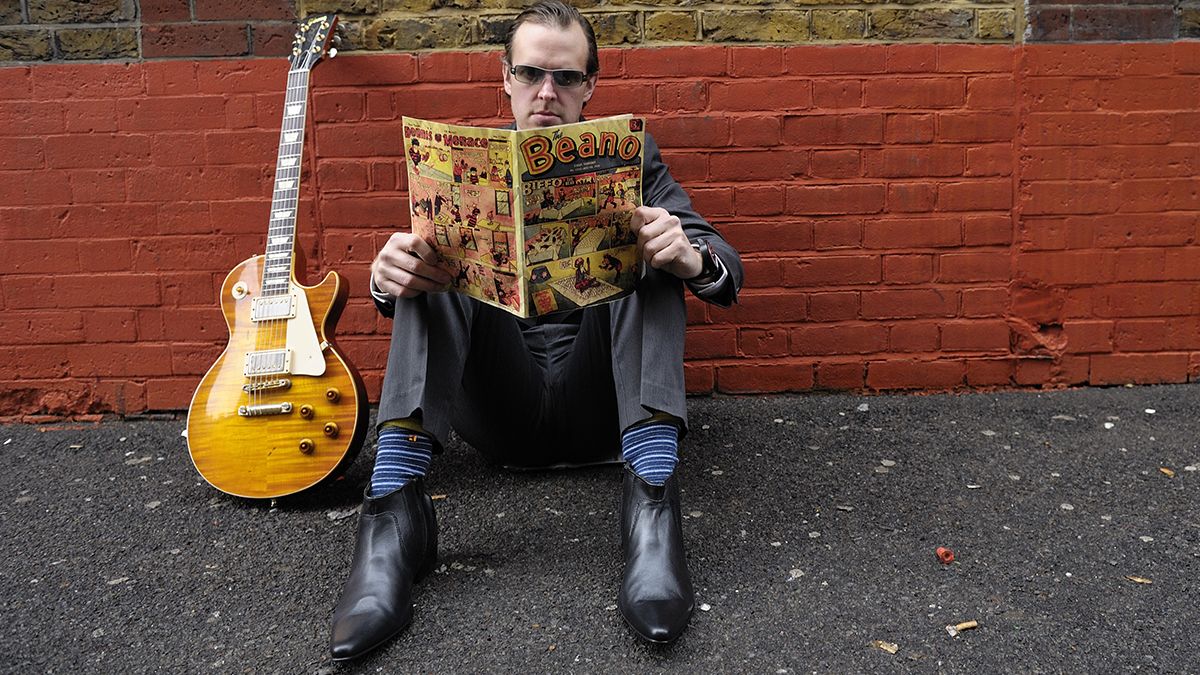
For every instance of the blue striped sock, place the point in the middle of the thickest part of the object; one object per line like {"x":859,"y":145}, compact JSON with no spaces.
{"x":403,"y":456}
{"x":652,"y":451}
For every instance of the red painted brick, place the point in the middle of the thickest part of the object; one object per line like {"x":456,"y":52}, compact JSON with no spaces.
{"x":841,"y":129}
{"x":754,"y":379}
{"x":909,"y":304}
{"x":911,"y":197}
{"x":837,"y":94}
{"x":835,"y":199}
{"x":915,"y":92}
{"x":32,"y":117}
{"x":986,"y":230}
{"x":979,"y":195}
{"x":758,"y":200}
{"x":689,"y":131}
{"x":1084,"y":337}
{"x":831,"y":234}
{"x":97,"y":150}
{"x":1147,"y":299}
{"x":15,"y":83}
{"x":990,"y":160}
{"x":988,"y":93}
{"x":1069,"y":267}
{"x":755,"y":307}
{"x":836,"y":306}
{"x":976,"y":336}
{"x":836,"y":163}
{"x":698,"y":379}
{"x":975,"y":127}
{"x":681,"y":96}
{"x":973,"y":266}
{"x":908,"y":374}
{"x":833,"y":271}
{"x":990,"y":372}
{"x":812,"y":60}
{"x":342,"y":176}
{"x":768,"y":95}
{"x":771,"y":237}
{"x":909,"y":128}
{"x":756,"y":131}
{"x":677,"y":62}
{"x":913,"y":58}
{"x":713,"y":203}
{"x":757,"y":165}
{"x":22,"y":154}
{"x":907,"y":269}
{"x":839,"y":339}
{"x":169,"y":393}
{"x":913,"y":337}
{"x":841,"y":376}
{"x":984,"y":302}
{"x":709,"y":344}
{"x":915,"y":162}
{"x":90,"y":116}
{"x":54,"y":82}
{"x":1139,"y":368}
{"x":760,"y":342}
{"x":444,"y":67}
{"x":975,"y":58}
{"x":912,"y":232}
{"x":755,"y":61}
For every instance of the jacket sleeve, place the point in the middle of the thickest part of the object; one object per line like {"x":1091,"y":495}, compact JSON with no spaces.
{"x":660,"y":189}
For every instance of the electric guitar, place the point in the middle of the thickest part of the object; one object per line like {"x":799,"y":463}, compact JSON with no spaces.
{"x":280,"y":410}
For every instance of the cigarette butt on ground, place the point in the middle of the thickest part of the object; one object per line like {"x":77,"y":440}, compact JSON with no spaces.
{"x":955,"y":629}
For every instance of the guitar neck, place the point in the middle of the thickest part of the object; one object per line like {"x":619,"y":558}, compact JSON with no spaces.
{"x":281,"y":233}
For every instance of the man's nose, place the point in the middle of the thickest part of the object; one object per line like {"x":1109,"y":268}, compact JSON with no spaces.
{"x":547,"y":91}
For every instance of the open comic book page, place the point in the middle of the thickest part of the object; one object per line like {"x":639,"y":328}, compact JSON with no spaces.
{"x":460,"y":191}
{"x":533,"y":221}
{"x":578,"y":185}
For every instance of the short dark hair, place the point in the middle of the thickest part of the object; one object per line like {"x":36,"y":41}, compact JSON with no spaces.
{"x":554,"y":13}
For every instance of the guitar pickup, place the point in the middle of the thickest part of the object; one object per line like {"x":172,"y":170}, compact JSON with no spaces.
{"x":265,"y":386}
{"x":269,"y":362}
{"x":265,"y":409}
{"x":273,"y":307}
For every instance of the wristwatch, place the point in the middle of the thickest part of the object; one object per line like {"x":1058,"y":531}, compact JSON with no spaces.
{"x":710,"y":269}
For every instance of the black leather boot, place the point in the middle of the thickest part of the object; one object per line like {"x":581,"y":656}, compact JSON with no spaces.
{"x":396,"y":547}
{"x":656,"y":597}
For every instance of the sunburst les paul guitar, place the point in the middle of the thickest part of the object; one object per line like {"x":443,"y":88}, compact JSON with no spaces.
{"x":280,"y":410}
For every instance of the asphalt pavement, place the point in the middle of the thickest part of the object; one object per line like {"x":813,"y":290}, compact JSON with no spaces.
{"x":811,"y":526}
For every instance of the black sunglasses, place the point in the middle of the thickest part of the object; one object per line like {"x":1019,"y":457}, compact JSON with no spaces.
{"x":568,"y":79}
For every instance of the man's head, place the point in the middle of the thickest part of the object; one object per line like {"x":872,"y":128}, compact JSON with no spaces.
{"x":550,"y":65}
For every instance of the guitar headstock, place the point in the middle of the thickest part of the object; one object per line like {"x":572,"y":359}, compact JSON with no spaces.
{"x":313,"y":36}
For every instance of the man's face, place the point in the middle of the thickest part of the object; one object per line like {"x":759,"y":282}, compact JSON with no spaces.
{"x":546,"y":104}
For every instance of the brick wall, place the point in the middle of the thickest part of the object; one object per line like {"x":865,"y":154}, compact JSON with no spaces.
{"x":912,"y":216}
{"x":34,"y":31}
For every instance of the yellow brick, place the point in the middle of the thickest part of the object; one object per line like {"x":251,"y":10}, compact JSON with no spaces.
{"x":25,"y":45}
{"x":671,"y":26}
{"x":615,"y":28}
{"x":905,"y":24}
{"x":1189,"y":22}
{"x":838,"y":24}
{"x":406,"y":34}
{"x":755,"y":26}
{"x":996,"y":24}
{"x":98,"y":43}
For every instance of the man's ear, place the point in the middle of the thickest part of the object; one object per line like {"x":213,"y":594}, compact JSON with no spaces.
{"x":504,"y":74}
{"x":591,"y":87}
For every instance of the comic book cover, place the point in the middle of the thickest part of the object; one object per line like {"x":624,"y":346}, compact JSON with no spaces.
{"x":533,"y":221}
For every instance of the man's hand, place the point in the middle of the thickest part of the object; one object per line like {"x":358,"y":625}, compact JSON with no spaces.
{"x":662,"y":243}
{"x":405,"y":267}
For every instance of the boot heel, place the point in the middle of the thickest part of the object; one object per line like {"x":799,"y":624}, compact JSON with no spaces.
{"x":430,"y":561}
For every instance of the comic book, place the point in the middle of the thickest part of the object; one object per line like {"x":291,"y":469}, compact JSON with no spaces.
{"x":533,"y":221}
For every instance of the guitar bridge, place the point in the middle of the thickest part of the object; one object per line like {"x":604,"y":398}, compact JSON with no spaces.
{"x":264,"y":386}
{"x":265,"y":409}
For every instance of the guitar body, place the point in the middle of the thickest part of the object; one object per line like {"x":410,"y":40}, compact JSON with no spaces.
{"x":277,"y":434}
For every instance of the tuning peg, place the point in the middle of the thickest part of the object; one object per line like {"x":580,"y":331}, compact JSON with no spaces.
{"x":337,"y":40}
{"x":332,"y":52}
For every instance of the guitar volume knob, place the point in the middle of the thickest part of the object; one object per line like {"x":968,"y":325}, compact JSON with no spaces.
{"x":333,"y":394}
{"x":306,"y":411}
{"x":331,"y":429}
{"x":307,"y":446}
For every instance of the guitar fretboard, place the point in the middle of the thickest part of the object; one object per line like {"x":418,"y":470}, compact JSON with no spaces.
{"x":281,"y":233}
